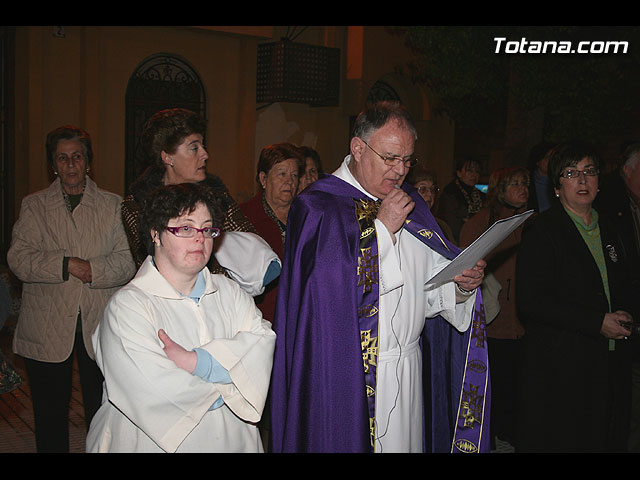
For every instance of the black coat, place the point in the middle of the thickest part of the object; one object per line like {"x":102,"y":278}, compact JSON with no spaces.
{"x":453,"y":207}
{"x":567,"y":366}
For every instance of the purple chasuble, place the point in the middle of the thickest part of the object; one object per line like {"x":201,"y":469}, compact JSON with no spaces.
{"x":322,"y":388}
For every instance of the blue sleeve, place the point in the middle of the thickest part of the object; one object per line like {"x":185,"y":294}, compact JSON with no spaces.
{"x":210,"y":370}
{"x":273,"y":272}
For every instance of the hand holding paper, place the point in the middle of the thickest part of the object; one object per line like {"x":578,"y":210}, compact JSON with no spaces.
{"x":469,"y":257}
{"x":470,"y":279}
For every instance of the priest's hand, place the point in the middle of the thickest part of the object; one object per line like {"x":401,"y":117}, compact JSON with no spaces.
{"x":471,"y":279}
{"x":185,"y":359}
{"x":394,"y":210}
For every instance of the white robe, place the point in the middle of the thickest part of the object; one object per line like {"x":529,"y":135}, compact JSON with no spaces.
{"x":246,"y":257}
{"x":405,"y":267}
{"x":151,"y":405}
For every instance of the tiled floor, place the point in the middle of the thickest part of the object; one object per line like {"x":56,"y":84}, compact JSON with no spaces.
{"x":16,"y":414}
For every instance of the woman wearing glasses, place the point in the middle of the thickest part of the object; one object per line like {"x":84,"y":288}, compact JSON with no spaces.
{"x":574,"y":301}
{"x":427,"y":185}
{"x":185,"y":353}
{"x":508,"y":195}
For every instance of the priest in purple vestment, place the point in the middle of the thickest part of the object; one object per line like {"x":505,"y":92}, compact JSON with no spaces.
{"x":369,"y":356}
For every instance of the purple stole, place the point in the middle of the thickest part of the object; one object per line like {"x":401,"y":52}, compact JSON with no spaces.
{"x":456,"y":364}
{"x":368,"y":305}
{"x":471,"y":433}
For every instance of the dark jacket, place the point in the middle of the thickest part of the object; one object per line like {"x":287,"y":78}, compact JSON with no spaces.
{"x":457,"y":203}
{"x":567,"y":364}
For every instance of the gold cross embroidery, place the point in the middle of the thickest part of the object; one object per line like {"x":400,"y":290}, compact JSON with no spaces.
{"x":366,"y":210}
{"x":471,"y":406}
{"x":369,"y":349}
{"x":372,"y":430}
{"x":478,"y":332}
{"x":367,"y":269}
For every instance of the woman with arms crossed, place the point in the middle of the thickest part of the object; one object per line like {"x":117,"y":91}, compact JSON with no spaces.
{"x":185,"y":353}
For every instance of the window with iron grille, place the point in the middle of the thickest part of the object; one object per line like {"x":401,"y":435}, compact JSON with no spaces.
{"x":160,"y":81}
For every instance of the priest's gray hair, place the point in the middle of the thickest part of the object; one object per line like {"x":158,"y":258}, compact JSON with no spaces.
{"x":631,"y":155}
{"x":376,"y":115}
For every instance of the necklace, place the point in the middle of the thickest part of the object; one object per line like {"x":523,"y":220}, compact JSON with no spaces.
{"x":76,"y":198}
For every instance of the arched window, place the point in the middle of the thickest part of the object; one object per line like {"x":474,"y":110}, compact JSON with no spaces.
{"x":160,"y":81}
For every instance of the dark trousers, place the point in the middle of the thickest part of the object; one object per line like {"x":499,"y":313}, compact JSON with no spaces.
{"x":619,"y":401}
{"x":504,"y":364}
{"x":50,"y":385}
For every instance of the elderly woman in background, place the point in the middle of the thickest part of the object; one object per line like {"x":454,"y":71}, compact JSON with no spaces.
{"x":427,"y":185}
{"x":574,"y":301}
{"x":71,"y":252}
{"x":185,"y":353}
{"x":507,"y":196}
{"x":279,"y":170}
{"x":312,"y":168}
{"x":173,"y":143}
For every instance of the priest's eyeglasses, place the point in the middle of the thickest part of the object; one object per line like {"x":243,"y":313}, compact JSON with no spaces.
{"x":575,"y":173}
{"x":392,"y":161}
{"x":187,"y":231}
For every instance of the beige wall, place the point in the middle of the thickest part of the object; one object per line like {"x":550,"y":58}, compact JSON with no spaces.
{"x":82,"y":79}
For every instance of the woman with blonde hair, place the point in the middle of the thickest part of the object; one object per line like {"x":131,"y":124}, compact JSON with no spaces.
{"x":508,"y":195}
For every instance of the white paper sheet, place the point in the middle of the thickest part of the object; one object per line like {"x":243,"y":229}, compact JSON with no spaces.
{"x":483,"y":245}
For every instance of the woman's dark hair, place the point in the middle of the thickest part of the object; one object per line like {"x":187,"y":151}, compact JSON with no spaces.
{"x":376,"y":115}
{"x":276,"y":153}
{"x":467,"y":161}
{"x":166,"y":130}
{"x":67,"y":132}
{"x":172,"y":201}
{"x":308,"y":152}
{"x":569,"y":155}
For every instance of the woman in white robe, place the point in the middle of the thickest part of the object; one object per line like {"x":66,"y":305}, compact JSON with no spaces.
{"x":185,"y":354}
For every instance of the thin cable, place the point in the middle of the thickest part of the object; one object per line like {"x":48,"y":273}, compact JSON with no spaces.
{"x":395,"y":401}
